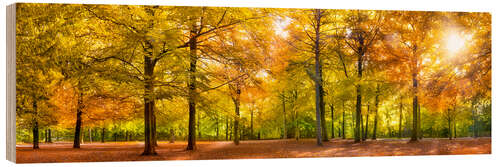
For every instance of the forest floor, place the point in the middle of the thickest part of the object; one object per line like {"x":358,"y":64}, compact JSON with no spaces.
{"x":250,"y":149}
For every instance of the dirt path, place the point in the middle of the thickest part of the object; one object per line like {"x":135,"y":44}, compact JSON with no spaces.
{"x":130,"y":151}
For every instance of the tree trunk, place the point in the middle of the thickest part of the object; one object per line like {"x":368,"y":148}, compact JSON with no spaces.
{"x":50,"y":136}
{"x":149,"y":147}
{"x":90,"y":135}
{"x":414,"y":134}
{"x":227,"y":128}
{"x":449,"y":128}
{"x":251,"y":124}
{"x":420,"y":132}
{"x":343,"y":120}
{"x":236,"y":100}
{"x":362,"y":128}
{"x":374,"y":135}
{"x":217,"y":127}
{"x":102,"y":134}
{"x":35,"y":127}
{"x":193,"y":59}
{"x":365,"y":136}
{"x":333,"y":121}
{"x":284,"y":116}
{"x":474,"y":120}
{"x":155,"y":134}
{"x":78,"y":125}
{"x":172,"y":136}
{"x":318,"y":78}
{"x":400,"y":116}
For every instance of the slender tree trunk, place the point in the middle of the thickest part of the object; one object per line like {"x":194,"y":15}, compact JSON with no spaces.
{"x":420,"y":132}
{"x":227,"y":128}
{"x":474,"y":120}
{"x":172,"y":136}
{"x":217,"y":127}
{"x":366,"y":122}
{"x":236,"y":100}
{"x":414,"y":134}
{"x":343,"y":120}
{"x":251,"y":124}
{"x":377,"y":92}
{"x":362,"y":128}
{"x":78,"y":125}
{"x":35,"y":127}
{"x":333,"y":121}
{"x":198,"y":125}
{"x":192,"y":90}
{"x":50,"y":136}
{"x":284,"y":116}
{"x":400,"y":116}
{"x":449,"y":128}
{"x":358,"y":130}
{"x":102,"y":134}
{"x":455,"y":129}
{"x":90,"y":135}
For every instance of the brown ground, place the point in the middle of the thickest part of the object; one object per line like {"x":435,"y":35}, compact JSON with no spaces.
{"x":130,"y":151}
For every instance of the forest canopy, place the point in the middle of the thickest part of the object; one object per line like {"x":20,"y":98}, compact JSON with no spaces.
{"x":147,"y":73}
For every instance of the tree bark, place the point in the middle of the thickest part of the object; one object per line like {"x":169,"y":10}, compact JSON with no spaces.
{"x":50,"y":136}
{"x":102,"y":134}
{"x":35,"y":127}
{"x":236,"y":100}
{"x":374,"y":135}
{"x":333,"y":121}
{"x":414,"y":134}
{"x":251,"y":124}
{"x":149,"y":147}
{"x":400,"y":117}
{"x":359,"y":118}
{"x":193,"y":59}
{"x":365,"y":136}
{"x":227,"y":128}
{"x":318,"y":78}
{"x":362,"y":128}
{"x":343,"y":120}
{"x":78,"y":125}
{"x":284,"y":116}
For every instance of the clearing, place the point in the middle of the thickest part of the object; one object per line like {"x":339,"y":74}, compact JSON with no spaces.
{"x":250,"y":149}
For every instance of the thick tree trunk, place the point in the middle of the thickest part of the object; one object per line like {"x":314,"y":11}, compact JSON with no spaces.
{"x":420,"y":132}
{"x":333,"y":121}
{"x":155,"y":134}
{"x":236,"y":100}
{"x":149,"y":147}
{"x":193,"y":59}
{"x":318,"y":78}
{"x":78,"y":124}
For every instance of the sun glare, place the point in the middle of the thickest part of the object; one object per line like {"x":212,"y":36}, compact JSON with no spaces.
{"x":454,"y":43}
